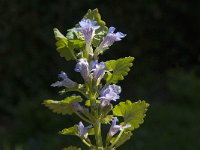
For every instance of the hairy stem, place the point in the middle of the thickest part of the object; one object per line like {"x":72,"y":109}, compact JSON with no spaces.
{"x":97,"y":129}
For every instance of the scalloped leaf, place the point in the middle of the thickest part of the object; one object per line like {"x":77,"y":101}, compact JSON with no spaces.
{"x":119,"y":67}
{"x":73,"y":34}
{"x":133,"y":113}
{"x":74,"y":131}
{"x":102,"y":31}
{"x":107,"y":119}
{"x":64,"y":106}
{"x":123,"y":138}
{"x":69,"y":131}
{"x":67,"y":47}
{"x":71,"y":148}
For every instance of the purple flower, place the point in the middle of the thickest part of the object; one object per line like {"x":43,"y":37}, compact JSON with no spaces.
{"x":82,"y":130}
{"x":110,"y":38}
{"x":93,"y":64}
{"x":88,"y":29}
{"x":66,"y":82}
{"x":83,"y":67}
{"x":77,"y":106}
{"x":115,"y":128}
{"x":98,"y":70}
{"x":110,"y":93}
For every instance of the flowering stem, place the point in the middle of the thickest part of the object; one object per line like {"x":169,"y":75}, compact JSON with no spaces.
{"x":96,"y":124}
{"x":86,"y":51}
{"x":97,"y":129}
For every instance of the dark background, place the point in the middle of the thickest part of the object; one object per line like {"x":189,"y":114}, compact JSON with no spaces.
{"x":163,"y":36}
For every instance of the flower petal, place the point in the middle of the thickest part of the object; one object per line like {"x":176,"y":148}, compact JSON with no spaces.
{"x":88,"y":29}
{"x":114,"y":128}
{"x":83,"y":67}
{"x":110,"y":93}
{"x":66,"y":82}
{"x":82,"y":130}
{"x":110,"y":38}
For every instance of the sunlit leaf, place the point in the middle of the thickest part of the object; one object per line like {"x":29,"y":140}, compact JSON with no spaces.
{"x":133,"y":113}
{"x":64,"y":106}
{"x":107,"y":119}
{"x":119,"y":67}
{"x":67,"y":47}
{"x":70,"y":131}
{"x":73,"y":34}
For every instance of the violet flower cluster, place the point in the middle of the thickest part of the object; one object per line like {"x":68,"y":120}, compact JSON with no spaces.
{"x":99,"y":90}
{"x":95,"y":71}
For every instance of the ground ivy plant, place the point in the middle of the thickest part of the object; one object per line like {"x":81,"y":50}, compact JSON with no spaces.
{"x":85,"y":43}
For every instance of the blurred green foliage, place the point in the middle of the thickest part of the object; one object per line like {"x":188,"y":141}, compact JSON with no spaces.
{"x":163,"y":36}
{"x":184,"y":87}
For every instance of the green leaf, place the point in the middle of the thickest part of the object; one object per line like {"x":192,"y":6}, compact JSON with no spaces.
{"x":64,"y":106}
{"x":70,"y":131}
{"x":62,"y":46}
{"x":74,"y":131}
{"x":73,"y":34}
{"x":102,"y":31}
{"x":58,"y":35}
{"x":71,"y":148}
{"x":124,"y":137}
{"x":91,"y":131}
{"x":133,"y":113}
{"x":119,"y":67}
{"x":107,"y":119}
{"x":88,"y":104}
{"x":66,"y":47}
